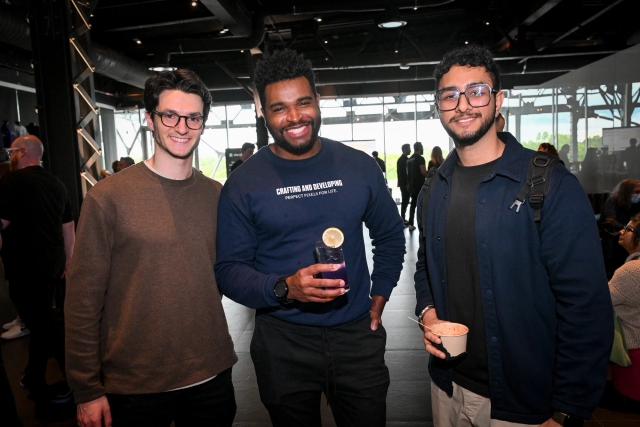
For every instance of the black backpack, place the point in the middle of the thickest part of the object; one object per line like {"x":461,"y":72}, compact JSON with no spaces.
{"x":535,"y":187}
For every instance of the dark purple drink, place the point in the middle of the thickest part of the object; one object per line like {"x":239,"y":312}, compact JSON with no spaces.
{"x":340,"y":273}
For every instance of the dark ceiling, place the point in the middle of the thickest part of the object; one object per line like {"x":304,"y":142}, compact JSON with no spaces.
{"x":534,"y":41}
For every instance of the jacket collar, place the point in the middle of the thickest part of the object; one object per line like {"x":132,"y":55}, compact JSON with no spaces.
{"x":508,"y":165}
{"x":633,"y":257}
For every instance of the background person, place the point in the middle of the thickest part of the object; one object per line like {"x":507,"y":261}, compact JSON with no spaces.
{"x":403,"y":181}
{"x":548,"y":148}
{"x":246,"y":152}
{"x":625,"y":296}
{"x":378,"y":160}
{"x":416,"y":171}
{"x":436,"y":158}
{"x":39,"y":236}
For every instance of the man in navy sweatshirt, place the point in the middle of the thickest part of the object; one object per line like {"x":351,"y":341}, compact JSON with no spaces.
{"x":311,"y":335}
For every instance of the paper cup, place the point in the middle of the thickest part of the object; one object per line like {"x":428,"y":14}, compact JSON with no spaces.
{"x":453,"y":336}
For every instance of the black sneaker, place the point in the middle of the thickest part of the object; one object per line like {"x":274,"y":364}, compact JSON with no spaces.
{"x":60,"y":393}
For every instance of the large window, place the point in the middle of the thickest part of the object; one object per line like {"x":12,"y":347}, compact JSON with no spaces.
{"x":572,"y":119}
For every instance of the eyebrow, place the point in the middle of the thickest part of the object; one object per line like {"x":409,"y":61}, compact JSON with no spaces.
{"x":470,"y":84}
{"x":175,"y":112}
{"x":302,"y":98}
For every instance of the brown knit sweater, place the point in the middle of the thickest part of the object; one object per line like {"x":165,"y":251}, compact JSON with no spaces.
{"x":143,"y":311}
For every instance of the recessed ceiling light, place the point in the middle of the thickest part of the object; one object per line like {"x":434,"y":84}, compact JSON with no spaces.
{"x":326,"y":59}
{"x":318,"y":19}
{"x":138,"y":41}
{"x":396,"y":50}
{"x":194,"y":3}
{"x":242,"y":51}
{"x":163,"y":68}
{"x":326,"y":41}
{"x":487,"y":23}
{"x":466,"y":42}
{"x":392,"y":24}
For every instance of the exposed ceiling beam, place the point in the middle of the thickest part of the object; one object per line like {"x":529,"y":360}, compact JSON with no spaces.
{"x":162,"y":24}
{"x":537,"y":14}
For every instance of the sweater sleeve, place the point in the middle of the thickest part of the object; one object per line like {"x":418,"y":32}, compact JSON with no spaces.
{"x":86,"y":287}
{"x":421,"y":279}
{"x":235,"y":251}
{"x":387,"y":238}
{"x":623,"y":286}
{"x":570,"y":250}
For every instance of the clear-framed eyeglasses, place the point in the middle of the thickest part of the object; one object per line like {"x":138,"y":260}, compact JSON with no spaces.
{"x":172,"y":120}
{"x":10,"y":151}
{"x":478,"y":95}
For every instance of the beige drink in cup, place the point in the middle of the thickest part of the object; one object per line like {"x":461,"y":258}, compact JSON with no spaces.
{"x":453,"y":336}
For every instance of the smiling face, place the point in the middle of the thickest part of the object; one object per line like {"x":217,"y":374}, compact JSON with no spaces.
{"x":292,"y":116}
{"x":466,"y":125}
{"x":179,"y":141}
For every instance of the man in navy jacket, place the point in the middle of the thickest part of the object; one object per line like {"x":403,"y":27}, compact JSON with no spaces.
{"x":536,"y":301}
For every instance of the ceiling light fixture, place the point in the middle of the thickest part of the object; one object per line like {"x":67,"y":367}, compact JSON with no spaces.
{"x":487,"y":23}
{"x":223,"y":31}
{"x":163,"y":69}
{"x":326,"y":41}
{"x":194,"y":3}
{"x":404,"y":66}
{"x":466,"y":42}
{"x":392,"y":18}
{"x":318,"y":18}
{"x":138,"y":41}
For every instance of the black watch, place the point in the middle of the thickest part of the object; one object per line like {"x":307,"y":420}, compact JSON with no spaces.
{"x":567,"y":420}
{"x":281,"y":290}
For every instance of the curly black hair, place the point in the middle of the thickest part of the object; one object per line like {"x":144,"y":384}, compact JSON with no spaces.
{"x":471,"y":56}
{"x":184,"y":80}
{"x":281,"y":65}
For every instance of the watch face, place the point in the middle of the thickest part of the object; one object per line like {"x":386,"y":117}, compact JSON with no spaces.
{"x":281,"y":289}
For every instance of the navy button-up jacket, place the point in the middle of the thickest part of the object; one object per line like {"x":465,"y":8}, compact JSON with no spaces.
{"x":547,"y":308}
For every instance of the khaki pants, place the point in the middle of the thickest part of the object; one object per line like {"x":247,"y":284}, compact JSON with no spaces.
{"x":462,"y":409}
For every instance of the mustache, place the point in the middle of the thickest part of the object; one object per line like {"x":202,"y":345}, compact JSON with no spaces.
{"x":458,"y":117}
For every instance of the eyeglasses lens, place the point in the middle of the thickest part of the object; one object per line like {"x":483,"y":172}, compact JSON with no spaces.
{"x":172,"y":120}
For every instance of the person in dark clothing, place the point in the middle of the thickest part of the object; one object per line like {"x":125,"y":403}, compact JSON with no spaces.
{"x":311,"y":337}
{"x":403,"y":181}
{"x":39,"y":235}
{"x":380,"y":162}
{"x":416,"y":171}
{"x":7,"y":134}
{"x":622,"y":205}
{"x":436,"y":158}
{"x":246,"y":152}
{"x":535,"y":299}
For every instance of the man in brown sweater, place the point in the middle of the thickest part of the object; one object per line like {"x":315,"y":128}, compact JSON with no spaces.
{"x":147,"y":342}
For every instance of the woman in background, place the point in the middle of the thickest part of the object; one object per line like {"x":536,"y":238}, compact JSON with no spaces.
{"x":548,"y":148}
{"x":620,"y":207}
{"x":436,"y":158}
{"x":625,"y":296}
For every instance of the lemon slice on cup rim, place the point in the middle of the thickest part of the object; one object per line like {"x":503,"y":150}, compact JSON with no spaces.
{"x":333,"y":237}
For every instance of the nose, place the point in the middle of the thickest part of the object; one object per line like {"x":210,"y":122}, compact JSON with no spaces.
{"x":293,"y":115}
{"x":463,"y":103}
{"x":181,"y":126}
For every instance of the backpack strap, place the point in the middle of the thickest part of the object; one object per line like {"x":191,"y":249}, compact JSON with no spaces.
{"x":536,"y":185}
{"x":426,"y":194}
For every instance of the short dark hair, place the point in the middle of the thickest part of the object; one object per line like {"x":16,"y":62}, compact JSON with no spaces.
{"x":374,"y":153}
{"x":633,"y":141}
{"x":417,"y":144}
{"x":128,"y":160}
{"x":636,"y":229}
{"x":184,"y":80}
{"x":621,"y":194}
{"x":281,"y":65}
{"x":247,"y":145}
{"x":469,"y":56}
{"x":406,"y":147}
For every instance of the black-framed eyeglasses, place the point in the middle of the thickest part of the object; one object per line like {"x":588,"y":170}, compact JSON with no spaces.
{"x":172,"y":120}
{"x":478,"y":95}
{"x":628,"y":229}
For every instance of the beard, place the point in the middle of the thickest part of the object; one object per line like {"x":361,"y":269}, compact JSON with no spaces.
{"x":160,"y":143}
{"x":469,"y":138}
{"x":297,"y":150}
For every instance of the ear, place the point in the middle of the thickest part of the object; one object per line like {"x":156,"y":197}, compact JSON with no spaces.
{"x":499,"y":102}
{"x":149,"y":119}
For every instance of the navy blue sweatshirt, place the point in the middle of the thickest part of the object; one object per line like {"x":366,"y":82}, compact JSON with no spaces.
{"x":273,"y":210}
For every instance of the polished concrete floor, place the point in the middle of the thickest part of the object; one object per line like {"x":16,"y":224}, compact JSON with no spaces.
{"x":408,"y":402}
